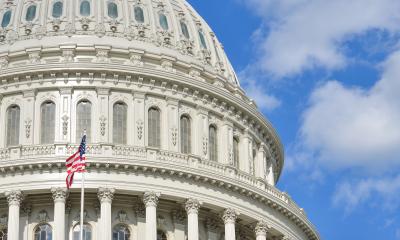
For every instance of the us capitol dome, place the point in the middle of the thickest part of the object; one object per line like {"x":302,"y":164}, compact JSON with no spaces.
{"x":176,"y":150}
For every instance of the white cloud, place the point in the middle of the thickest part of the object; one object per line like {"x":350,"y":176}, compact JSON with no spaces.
{"x":300,"y":35}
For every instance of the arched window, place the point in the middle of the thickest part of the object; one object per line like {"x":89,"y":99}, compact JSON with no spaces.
{"x":163,"y":21}
{"x":154,"y":118}
{"x":87,"y":232}
{"x":6,"y":19}
{"x":185,"y":30}
{"x":57,"y":9}
{"x":84,"y":9}
{"x":3,"y":234}
{"x":120,"y":118}
{"x":30,"y":13}
{"x":121,"y":232}
{"x":202,"y":40}
{"x":83,"y":119}
{"x":185,"y":134}
{"x":235,"y":152}
{"x":213,"y":143}
{"x":43,"y":232}
{"x":112,"y":10}
{"x":47,"y":122}
{"x":161,"y":235}
{"x":13,"y":116}
{"x":139,"y":15}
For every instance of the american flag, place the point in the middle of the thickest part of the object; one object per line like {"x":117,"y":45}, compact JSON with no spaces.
{"x":76,"y":163}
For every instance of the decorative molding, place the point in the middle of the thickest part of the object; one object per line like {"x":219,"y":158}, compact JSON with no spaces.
{"x":65,"y":119}
{"x":103,"y":121}
{"x":174,"y":135}
{"x":28,"y":124}
{"x":139,"y":126}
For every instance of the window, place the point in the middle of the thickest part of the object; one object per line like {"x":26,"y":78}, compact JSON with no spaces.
{"x":83,"y":119}
{"x":139,"y":15}
{"x":30,"y":13}
{"x":161,"y":235}
{"x":213,"y":143}
{"x":121,"y":232}
{"x":84,"y":9}
{"x":47,"y":122}
{"x":163,"y":21}
{"x":87,"y":232}
{"x":57,"y":9}
{"x":154,"y":127}
{"x":235,"y":152}
{"x":13,"y":116}
{"x":3,"y":234}
{"x":120,"y":115}
{"x":43,"y":232}
{"x":185,"y":134}
{"x":185,"y":30}
{"x":6,"y":20}
{"x":202,"y":40}
{"x":112,"y":10}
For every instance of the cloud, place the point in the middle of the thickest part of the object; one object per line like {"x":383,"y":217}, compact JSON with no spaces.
{"x":299,"y":35}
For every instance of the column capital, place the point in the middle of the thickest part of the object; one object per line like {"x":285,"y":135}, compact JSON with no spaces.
{"x":151,"y":198}
{"x":14,"y":197}
{"x":105,"y":194}
{"x":261,"y":228}
{"x":192,"y":206}
{"x":60,"y":194}
{"x":230,"y":215}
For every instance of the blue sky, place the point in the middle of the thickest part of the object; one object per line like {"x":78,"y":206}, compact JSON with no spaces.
{"x":327,"y":75}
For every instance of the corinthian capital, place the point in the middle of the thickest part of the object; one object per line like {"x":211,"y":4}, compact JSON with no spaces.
{"x":192,"y":206}
{"x":14,"y":197}
{"x":106,"y":194}
{"x":151,"y":199}
{"x":230,"y":215}
{"x":261,"y":228}
{"x":59,"y":194}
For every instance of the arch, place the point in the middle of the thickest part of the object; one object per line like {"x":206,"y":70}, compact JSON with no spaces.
{"x":84,"y":8}
{"x":3,"y":233}
{"x":48,"y":119}
{"x":235,"y":152}
{"x":154,"y":127}
{"x":43,"y":232}
{"x":87,"y":232}
{"x":213,"y":142}
{"x":139,"y":14}
{"x":112,"y":10}
{"x":83,"y":119}
{"x":185,"y":30}
{"x":163,"y":21}
{"x":120,"y":119}
{"x":6,"y":19}
{"x":57,"y":9}
{"x":30,"y":13}
{"x":202,"y":40}
{"x":161,"y":235}
{"x":121,"y":232}
{"x":186,"y":134}
{"x":13,"y":124}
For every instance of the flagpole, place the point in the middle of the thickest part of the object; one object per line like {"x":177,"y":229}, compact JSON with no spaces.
{"x":82,"y":196}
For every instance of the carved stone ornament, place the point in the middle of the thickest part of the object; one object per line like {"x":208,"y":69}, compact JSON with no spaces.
{"x":106,"y":194}
{"x":34,"y":57}
{"x":14,"y":197}
{"x":261,"y":228}
{"x":122,"y":216}
{"x":4,"y":62}
{"x":230,"y":151}
{"x":136,"y":60}
{"x":67,"y":56}
{"x":139,"y":124}
{"x":179,"y":216}
{"x":28,"y":124}
{"x":205,"y":145}
{"x":103,"y":120}
{"x":102,"y":56}
{"x":150,"y":199}
{"x":100,"y":30}
{"x":65,"y":119}
{"x":59,"y":194}
{"x":174,"y":136}
{"x":229,"y":216}
{"x":43,"y":217}
{"x":192,"y":206}
{"x":85,"y":23}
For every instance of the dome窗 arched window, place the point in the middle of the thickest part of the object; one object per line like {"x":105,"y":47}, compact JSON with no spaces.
{"x":3,"y":234}
{"x":6,"y":19}
{"x":30,"y":13}
{"x":202,"y":40}
{"x":121,"y":232}
{"x":185,"y":134}
{"x":163,"y":21}
{"x":87,"y":232}
{"x":154,"y":128}
{"x":112,"y":10}
{"x":161,"y":235}
{"x":120,"y":118}
{"x":84,"y":8}
{"x":44,"y":232}
{"x":213,"y":143}
{"x":57,"y":9}
{"x":185,"y":30}
{"x":235,"y":152}
{"x":83,"y":119}
{"x":13,"y":122}
{"x":139,"y":14}
{"x":47,"y":122}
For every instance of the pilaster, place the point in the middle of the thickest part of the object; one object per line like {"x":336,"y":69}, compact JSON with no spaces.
{"x":201,"y":133}
{"x":226,"y":143}
{"x":246,"y":152}
{"x":103,"y":133}
{"x":64,"y":131}
{"x":27,"y":118}
{"x":139,"y":118}
{"x":173,"y":124}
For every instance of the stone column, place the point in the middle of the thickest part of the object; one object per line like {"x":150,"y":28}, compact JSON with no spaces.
{"x":59,"y":196}
{"x":14,"y":199}
{"x":140,"y":211}
{"x":192,"y":207}
{"x":150,"y":200}
{"x":246,"y":152}
{"x":105,"y":196}
{"x":229,"y":216}
{"x":261,"y":230}
{"x":261,"y":162}
{"x":270,"y":172}
{"x":225,"y":143}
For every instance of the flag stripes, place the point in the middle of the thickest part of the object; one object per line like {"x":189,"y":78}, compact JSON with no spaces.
{"x":76,"y":162}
